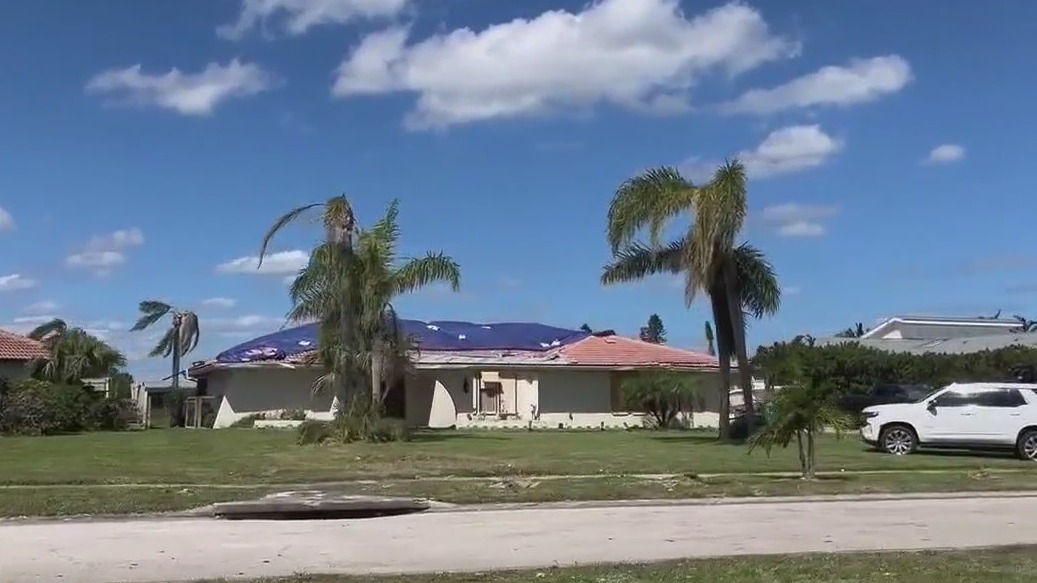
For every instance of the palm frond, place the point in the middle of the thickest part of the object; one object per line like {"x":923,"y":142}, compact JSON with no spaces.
{"x":190,"y":332}
{"x":165,"y":345}
{"x":648,"y":200}
{"x":432,"y":268}
{"x":758,"y":283}
{"x":55,"y":328}
{"x":151,"y":311}
{"x":282,"y":222}
{"x":720,"y":210}
{"x":637,"y":261}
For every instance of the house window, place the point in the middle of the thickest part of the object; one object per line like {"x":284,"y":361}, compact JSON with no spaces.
{"x":616,"y":392}
{"x":489,"y":396}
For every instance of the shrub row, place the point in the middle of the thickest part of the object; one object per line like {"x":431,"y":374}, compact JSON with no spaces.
{"x":852,"y":368}
{"x":33,"y":407}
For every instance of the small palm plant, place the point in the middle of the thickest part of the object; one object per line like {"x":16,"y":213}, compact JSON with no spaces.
{"x":181,"y":338}
{"x":802,"y":409}
{"x":74,"y":354}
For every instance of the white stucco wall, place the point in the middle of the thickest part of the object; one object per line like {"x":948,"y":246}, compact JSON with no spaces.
{"x":13,"y":370}
{"x":246,"y":392}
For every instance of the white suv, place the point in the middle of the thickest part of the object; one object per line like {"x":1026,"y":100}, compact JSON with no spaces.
{"x":958,"y":416}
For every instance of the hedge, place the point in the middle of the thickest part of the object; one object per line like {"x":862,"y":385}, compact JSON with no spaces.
{"x":33,"y":407}
{"x":852,"y":368}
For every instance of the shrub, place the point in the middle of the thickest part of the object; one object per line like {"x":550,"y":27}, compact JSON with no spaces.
{"x":853,"y":368}
{"x":293,"y":415}
{"x":662,"y":395}
{"x":313,"y":432}
{"x":361,"y":423}
{"x":175,"y":404}
{"x":33,"y":407}
{"x":249,"y":421}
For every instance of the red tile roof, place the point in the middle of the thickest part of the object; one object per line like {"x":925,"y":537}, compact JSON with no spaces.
{"x":627,"y":352}
{"x":17,"y":347}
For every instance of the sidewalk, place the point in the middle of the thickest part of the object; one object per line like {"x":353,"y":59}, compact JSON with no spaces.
{"x":152,"y":551}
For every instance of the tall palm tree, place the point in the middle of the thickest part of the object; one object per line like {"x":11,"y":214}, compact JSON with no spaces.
{"x":333,"y":301}
{"x":737,"y":278}
{"x":181,"y":338}
{"x":74,"y":354}
{"x":379,"y":275}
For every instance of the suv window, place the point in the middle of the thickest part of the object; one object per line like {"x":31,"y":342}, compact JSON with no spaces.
{"x":955,"y":399}
{"x":1003,"y":398}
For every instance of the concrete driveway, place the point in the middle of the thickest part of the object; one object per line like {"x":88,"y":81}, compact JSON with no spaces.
{"x":185,"y":550}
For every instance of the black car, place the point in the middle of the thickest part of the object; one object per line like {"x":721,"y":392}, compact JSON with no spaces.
{"x":886,"y":394}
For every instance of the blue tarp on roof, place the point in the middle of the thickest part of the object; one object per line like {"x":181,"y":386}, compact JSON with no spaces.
{"x":435,"y":335}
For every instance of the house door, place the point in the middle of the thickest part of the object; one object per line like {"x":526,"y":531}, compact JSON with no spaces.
{"x":489,"y":397}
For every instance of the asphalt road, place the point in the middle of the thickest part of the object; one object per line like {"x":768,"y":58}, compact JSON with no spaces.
{"x":188,"y":550}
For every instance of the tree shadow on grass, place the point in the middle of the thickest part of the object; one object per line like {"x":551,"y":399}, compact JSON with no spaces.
{"x":446,"y":435}
{"x":952,"y":453}
{"x":691,"y":438}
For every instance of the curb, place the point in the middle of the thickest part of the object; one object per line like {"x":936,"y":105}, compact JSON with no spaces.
{"x":663,"y":503}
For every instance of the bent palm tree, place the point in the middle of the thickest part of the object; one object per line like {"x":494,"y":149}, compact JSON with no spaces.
{"x":74,"y":354}
{"x":334,"y":300}
{"x":380,"y":348}
{"x":735,"y":278}
{"x":181,"y":338}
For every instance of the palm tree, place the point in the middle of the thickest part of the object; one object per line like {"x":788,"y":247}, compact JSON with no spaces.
{"x":379,"y":348}
{"x":74,"y":354}
{"x":737,"y":278}
{"x":333,"y":301}
{"x":855,"y":331}
{"x":801,"y":411}
{"x":181,"y":338}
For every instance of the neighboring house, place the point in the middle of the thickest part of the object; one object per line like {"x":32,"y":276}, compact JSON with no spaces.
{"x":15,"y":353}
{"x":466,"y":375}
{"x":942,"y":335}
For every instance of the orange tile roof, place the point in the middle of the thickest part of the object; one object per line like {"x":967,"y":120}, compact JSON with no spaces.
{"x":17,"y":347}
{"x":627,"y":352}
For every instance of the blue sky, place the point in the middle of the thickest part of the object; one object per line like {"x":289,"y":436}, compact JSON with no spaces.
{"x":146,"y":146}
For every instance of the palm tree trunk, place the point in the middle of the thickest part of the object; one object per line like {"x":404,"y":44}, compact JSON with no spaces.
{"x":745,"y":373}
{"x":343,"y":239}
{"x":376,"y":377}
{"x":724,"y":366}
{"x":175,"y":379}
{"x":811,"y":455}
{"x":803,"y":466}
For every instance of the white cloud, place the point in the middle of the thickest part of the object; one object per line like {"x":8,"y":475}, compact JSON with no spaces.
{"x":945,"y":154}
{"x":792,"y":290}
{"x":103,"y":253}
{"x":798,"y":220}
{"x":195,"y":94}
{"x":790,"y":149}
{"x":860,"y":81}
{"x":301,"y":15}
{"x":16,"y":282}
{"x":281,"y":263}
{"x":6,"y":221}
{"x":636,"y":54}
{"x":783,"y":151}
{"x":218,"y":303}
{"x":44,"y":307}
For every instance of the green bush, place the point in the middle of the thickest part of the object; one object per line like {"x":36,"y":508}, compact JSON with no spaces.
{"x":313,"y":432}
{"x":293,"y":415}
{"x":33,"y":407}
{"x":249,"y":421}
{"x":662,"y":395}
{"x":852,"y":368}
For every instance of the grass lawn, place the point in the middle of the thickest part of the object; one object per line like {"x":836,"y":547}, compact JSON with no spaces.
{"x":65,"y":500}
{"x":1006,"y":565}
{"x":258,"y":457}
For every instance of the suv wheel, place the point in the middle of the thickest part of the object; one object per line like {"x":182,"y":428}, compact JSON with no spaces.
{"x":1026,"y":447}
{"x":901,"y":440}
